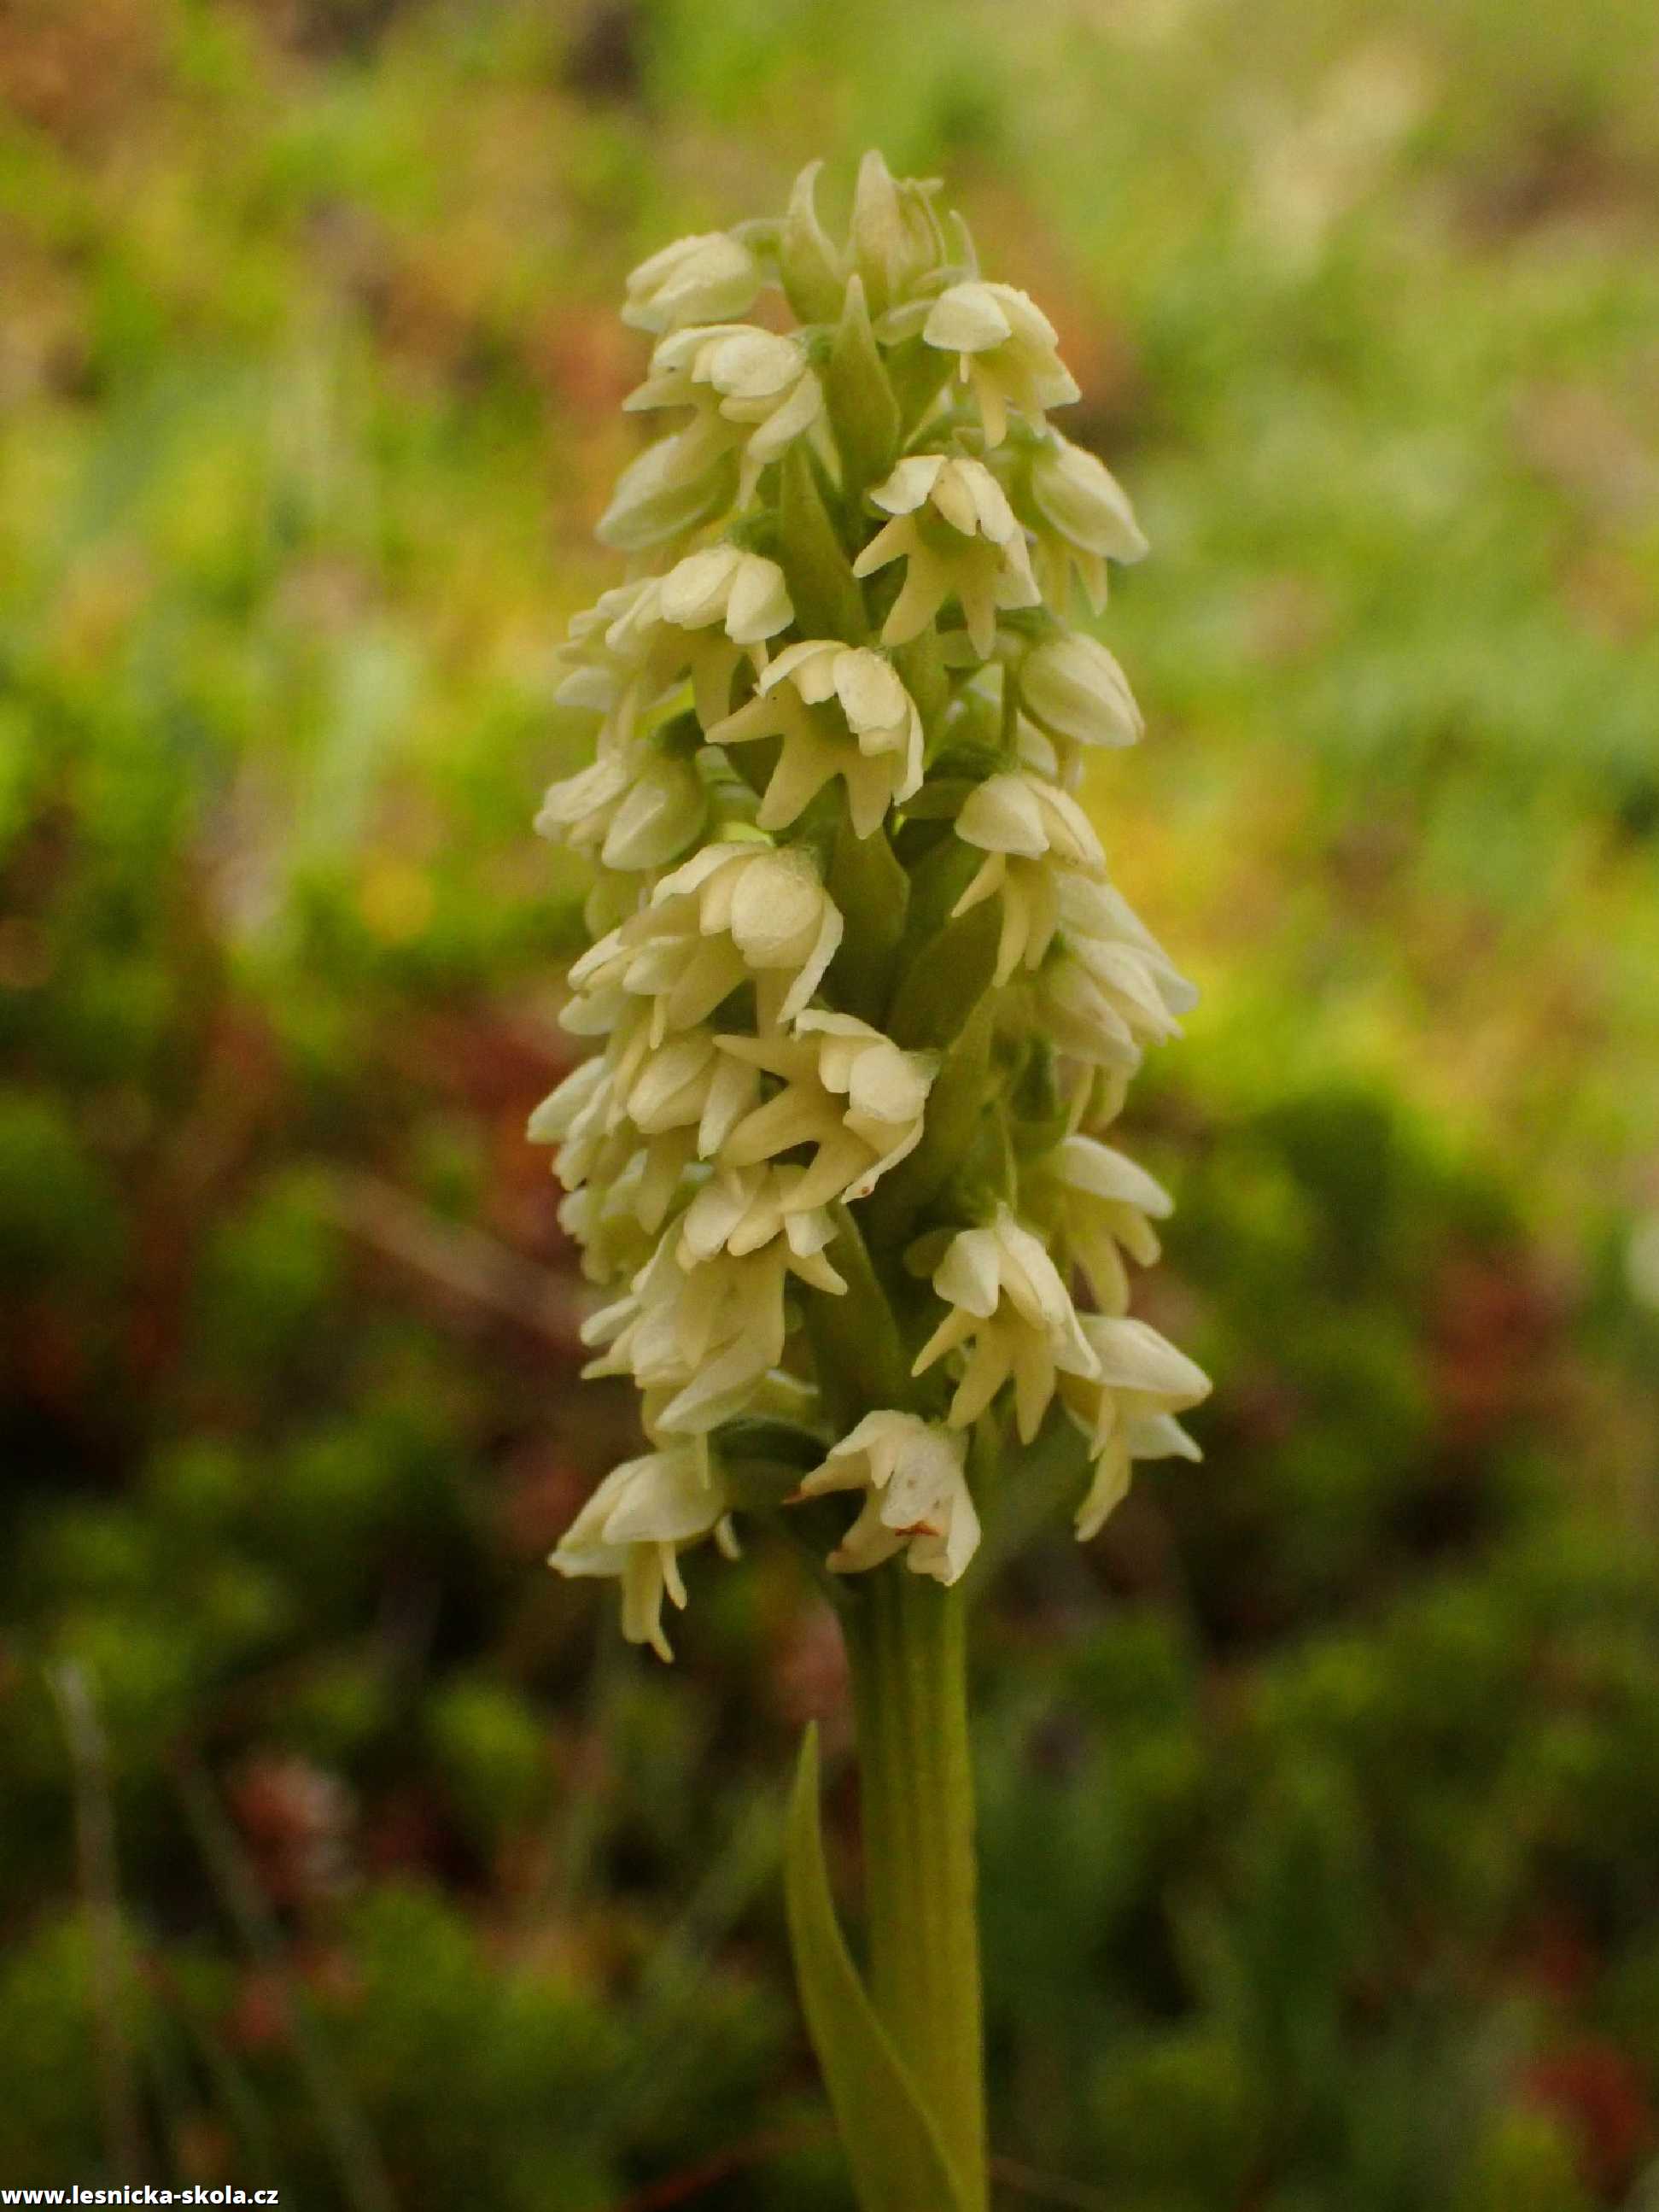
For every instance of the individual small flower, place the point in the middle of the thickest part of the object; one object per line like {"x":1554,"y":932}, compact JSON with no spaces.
{"x":635,"y":1117}
{"x":610,"y":662}
{"x":736,"y":912}
{"x":740,"y":596}
{"x":577,"y":1118}
{"x":918,"y":1502}
{"x":578,"y":1113}
{"x":686,"y":1083}
{"x":1097,"y":1205}
{"x":749,"y":387}
{"x":741,"y":1210}
{"x":1074,"y":690}
{"x":1126,"y":1408}
{"x":633,"y":651}
{"x":709,"y":279}
{"x":635,"y":1525}
{"x":1024,"y":826}
{"x":1010,"y":1306}
{"x":1084,"y":518}
{"x":670,"y":487}
{"x":953,"y":526}
{"x":619,"y":661}
{"x":1108,"y":987}
{"x":637,"y":810}
{"x":870,"y":736}
{"x":1007,"y":351}
{"x":743,"y":592}
{"x":847,"y":1091}
{"x":602,"y":1217}
{"x":698,"y":1339}
{"x":637,"y":1174}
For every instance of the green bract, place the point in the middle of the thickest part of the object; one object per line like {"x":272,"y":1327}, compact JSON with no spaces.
{"x":852,"y":917}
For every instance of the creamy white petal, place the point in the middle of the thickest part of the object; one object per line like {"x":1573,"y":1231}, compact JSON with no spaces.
{"x":966,"y":318}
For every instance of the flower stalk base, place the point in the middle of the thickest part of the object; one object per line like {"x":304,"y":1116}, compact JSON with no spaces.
{"x":907,"y":1642}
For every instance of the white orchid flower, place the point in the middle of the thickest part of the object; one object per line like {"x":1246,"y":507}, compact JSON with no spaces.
{"x":1095,"y":1204}
{"x":953,"y":527}
{"x":1007,"y":348}
{"x":917,"y":1503}
{"x":838,"y":710}
{"x":1126,"y":1408}
{"x":737,"y":912}
{"x":1083,"y":519}
{"x":1034,"y":834}
{"x":634,"y":1527}
{"x":751,"y":392}
{"x":1075,"y":691}
{"x":847,"y":1091}
{"x":1011,"y":1311}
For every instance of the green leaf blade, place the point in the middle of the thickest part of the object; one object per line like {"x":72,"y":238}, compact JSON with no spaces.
{"x":892,"y":2145}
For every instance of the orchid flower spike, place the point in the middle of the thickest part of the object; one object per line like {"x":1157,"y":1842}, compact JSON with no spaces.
{"x":861,"y":998}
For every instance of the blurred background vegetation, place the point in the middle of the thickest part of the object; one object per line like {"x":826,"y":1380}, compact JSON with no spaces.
{"x":341,"y":1846}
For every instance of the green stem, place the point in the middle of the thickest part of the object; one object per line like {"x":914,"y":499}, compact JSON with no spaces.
{"x":908,"y":1648}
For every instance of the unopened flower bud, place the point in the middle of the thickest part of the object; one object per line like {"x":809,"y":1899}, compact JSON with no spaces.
{"x":707,"y":279}
{"x":1073,"y":688}
{"x":896,"y":240}
{"x":670,"y":488}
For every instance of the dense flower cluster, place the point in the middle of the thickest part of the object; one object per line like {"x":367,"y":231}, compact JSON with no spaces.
{"x":864,"y":991}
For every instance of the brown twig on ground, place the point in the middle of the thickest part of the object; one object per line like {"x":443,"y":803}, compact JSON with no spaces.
{"x":460,"y":1258}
